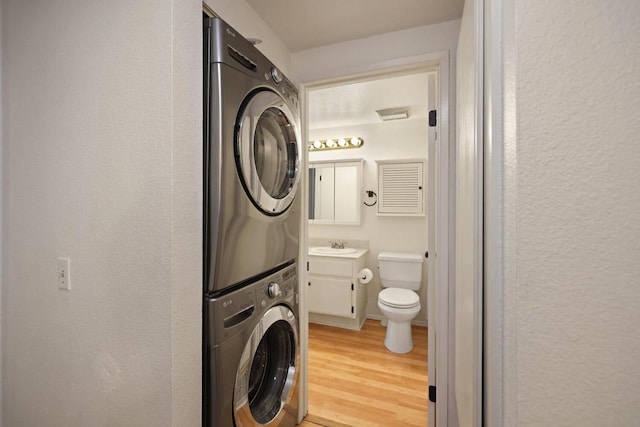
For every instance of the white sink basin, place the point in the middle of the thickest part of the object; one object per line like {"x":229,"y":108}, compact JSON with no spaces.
{"x":332,"y":251}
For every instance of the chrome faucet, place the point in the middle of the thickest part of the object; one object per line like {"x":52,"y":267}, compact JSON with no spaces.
{"x":337,"y":245}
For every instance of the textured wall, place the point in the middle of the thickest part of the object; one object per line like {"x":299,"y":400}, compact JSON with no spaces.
{"x":186,"y":215}
{"x":98,"y":146}
{"x":577,"y":297}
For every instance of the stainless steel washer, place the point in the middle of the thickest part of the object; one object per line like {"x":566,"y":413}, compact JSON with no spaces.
{"x":253,"y":354}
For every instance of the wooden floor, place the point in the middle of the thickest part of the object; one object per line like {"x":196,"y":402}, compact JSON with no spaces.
{"x":355,"y":381}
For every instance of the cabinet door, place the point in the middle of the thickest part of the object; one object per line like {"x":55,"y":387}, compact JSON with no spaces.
{"x":401,"y":188}
{"x":330,"y":296}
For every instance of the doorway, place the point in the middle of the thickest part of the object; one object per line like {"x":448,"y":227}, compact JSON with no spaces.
{"x":381,"y":141}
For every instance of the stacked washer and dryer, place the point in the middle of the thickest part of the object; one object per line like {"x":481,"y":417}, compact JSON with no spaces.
{"x":251,"y":352}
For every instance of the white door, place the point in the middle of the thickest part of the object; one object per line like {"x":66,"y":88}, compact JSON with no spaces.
{"x":432,"y":193}
{"x":465,"y":403}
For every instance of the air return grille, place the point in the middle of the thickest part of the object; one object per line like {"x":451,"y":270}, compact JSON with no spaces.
{"x":401,"y":187}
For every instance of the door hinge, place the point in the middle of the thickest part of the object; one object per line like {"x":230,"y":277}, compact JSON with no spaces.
{"x":433,"y":118}
{"x":352,"y":287}
{"x":352,"y":309}
{"x":426,"y":254}
{"x":432,"y":393}
{"x":307,"y":265}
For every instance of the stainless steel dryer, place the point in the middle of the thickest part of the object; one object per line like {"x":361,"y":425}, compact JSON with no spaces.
{"x":253,"y":354}
{"x":252,"y":161}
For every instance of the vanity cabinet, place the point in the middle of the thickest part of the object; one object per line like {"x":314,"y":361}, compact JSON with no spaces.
{"x":335,"y":297}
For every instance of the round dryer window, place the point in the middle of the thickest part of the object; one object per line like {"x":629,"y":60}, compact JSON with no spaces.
{"x":267,"y":373}
{"x":267,"y":151}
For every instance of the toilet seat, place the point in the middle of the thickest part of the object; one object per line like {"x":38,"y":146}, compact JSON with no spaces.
{"x":399,"y":298}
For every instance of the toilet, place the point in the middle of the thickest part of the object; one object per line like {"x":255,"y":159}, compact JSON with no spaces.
{"x":401,"y":277}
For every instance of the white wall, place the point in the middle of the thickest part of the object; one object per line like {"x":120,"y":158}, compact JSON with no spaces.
{"x":372,"y":53}
{"x":101,"y":163}
{"x":186,"y":218}
{"x":401,"y":139}
{"x":571,"y":156}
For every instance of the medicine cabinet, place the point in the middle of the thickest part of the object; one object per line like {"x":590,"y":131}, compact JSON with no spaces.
{"x":335,"y":192}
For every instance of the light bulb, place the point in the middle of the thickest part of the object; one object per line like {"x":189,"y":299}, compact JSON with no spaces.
{"x":317,"y":143}
{"x":330,"y":143}
{"x":342,"y":142}
{"x":355,"y":141}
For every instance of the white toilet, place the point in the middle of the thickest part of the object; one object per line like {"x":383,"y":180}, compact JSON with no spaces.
{"x":401,"y":277}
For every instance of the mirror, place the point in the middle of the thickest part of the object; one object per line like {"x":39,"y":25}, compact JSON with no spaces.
{"x":335,"y":190}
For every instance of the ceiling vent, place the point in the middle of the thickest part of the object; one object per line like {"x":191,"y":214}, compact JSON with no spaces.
{"x":398,"y":113}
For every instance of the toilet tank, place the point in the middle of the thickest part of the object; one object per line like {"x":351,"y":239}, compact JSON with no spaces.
{"x":400,"y":270}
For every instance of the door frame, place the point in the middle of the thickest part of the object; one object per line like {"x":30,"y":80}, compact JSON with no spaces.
{"x":439,"y":257}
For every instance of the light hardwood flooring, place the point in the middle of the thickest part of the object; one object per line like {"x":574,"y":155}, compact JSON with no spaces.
{"x":355,"y":381}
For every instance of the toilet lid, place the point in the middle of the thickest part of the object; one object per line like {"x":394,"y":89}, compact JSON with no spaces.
{"x":399,"y":298}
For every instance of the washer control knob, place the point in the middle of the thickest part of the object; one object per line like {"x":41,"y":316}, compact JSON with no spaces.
{"x":273,"y":290}
{"x":276,"y":75}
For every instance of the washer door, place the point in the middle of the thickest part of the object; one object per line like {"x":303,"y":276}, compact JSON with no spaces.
{"x":267,"y":150}
{"x":268,"y":371}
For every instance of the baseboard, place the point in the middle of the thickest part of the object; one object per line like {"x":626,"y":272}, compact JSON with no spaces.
{"x":378,"y":317}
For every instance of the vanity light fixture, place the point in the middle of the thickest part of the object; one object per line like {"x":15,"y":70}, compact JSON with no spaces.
{"x":336,"y":143}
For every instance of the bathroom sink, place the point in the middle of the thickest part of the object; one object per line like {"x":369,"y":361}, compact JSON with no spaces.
{"x":332,"y":251}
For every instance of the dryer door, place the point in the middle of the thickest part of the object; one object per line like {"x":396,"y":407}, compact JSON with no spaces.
{"x":266,"y":381}
{"x":267,"y":150}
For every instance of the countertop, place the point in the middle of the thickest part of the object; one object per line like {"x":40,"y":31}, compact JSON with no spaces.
{"x":354,"y":255}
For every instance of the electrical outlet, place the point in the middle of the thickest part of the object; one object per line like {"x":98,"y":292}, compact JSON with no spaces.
{"x":64,"y":273}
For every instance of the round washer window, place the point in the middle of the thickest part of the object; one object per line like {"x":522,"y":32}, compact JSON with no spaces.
{"x":274,"y":148}
{"x":270,"y":368}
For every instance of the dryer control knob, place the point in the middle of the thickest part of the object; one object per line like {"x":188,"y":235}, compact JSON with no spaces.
{"x":276,"y":75}
{"x":273,"y":290}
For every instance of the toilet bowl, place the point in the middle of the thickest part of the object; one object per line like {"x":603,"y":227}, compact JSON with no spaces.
{"x":400,"y":307}
{"x":401,"y":276}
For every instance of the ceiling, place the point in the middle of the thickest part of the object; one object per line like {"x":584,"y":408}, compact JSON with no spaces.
{"x":305,"y":24}
{"x":356,"y":103}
